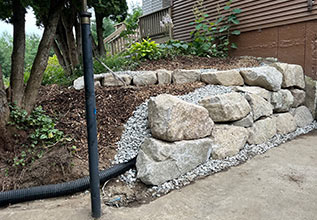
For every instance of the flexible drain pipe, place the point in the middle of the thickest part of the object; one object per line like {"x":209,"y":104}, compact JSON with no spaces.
{"x":62,"y":189}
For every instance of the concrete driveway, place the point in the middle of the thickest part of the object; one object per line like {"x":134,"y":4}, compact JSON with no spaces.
{"x":281,"y":184}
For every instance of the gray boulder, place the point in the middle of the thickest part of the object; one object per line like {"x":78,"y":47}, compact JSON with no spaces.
{"x":109,"y":80}
{"x":172,"y":119}
{"x":303,"y":116}
{"x":311,"y":95}
{"x":299,"y":97}
{"x":267,"y":77}
{"x":245,"y":122}
{"x":225,"y":78}
{"x":254,"y":90}
{"x":145,"y":78}
{"x":185,"y":76}
{"x":228,"y":140}
{"x":285,"y":123}
{"x":79,"y":83}
{"x":226,"y":107}
{"x":158,"y":161}
{"x":260,"y":107}
{"x":164,"y":76}
{"x":293,"y":75}
{"x":262,"y":131}
{"x":282,"y":100}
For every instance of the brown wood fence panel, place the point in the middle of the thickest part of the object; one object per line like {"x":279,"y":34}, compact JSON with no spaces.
{"x":256,"y":14}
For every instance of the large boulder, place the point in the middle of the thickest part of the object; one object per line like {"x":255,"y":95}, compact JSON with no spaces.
{"x":172,"y":119}
{"x":226,"y":107}
{"x":164,"y":76}
{"x":185,"y":76}
{"x":109,"y":80}
{"x":228,"y":140}
{"x":245,"y":122}
{"x":311,"y":95}
{"x":293,"y":75}
{"x":79,"y":83}
{"x":260,"y":107}
{"x":267,"y":77}
{"x":254,"y":90}
{"x":282,"y":100}
{"x":262,"y":131}
{"x":299,"y":97}
{"x":303,"y":116}
{"x":225,"y":78}
{"x":145,"y":78}
{"x":159,"y":161}
{"x":285,"y":123}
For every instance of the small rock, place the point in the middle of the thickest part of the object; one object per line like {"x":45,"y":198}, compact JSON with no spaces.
{"x":172,"y":119}
{"x":282,"y":100}
{"x":285,"y":123}
{"x":245,"y":122}
{"x":158,"y":161}
{"x":228,"y":140}
{"x":299,"y":97}
{"x":79,"y":83}
{"x":225,"y":78}
{"x":164,"y":76}
{"x":266,"y":77}
{"x":254,"y":90}
{"x":260,"y":107}
{"x":303,"y":116}
{"x":145,"y":78}
{"x":109,"y":80}
{"x":226,"y":107}
{"x":262,"y":131}
{"x":293,"y":75}
{"x":185,"y":76}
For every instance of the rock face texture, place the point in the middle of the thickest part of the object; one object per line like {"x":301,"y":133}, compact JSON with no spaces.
{"x":260,"y":107}
{"x":255,"y":90}
{"x":226,"y":107}
{"x":267,"y":77}
{"x":185,"y":76}
{"x":285,"y":123}
{"x":228,"y":140}
{"x":303,"y":116}
{"x":262,"y":131}
{"x":293,"y":75}
{"x":159,"y":161}
{"x":164,"y":76}
{"x":282,"y":100}
{"x":245,"y":122}
{"x":145,"y":78}
{"x":311,"y":95}
{"x":109,"y":80}
{"x":172,"y":119}
{"x":299,"y":97}
{"x":79,"y":83}
{"x":225,"y":78}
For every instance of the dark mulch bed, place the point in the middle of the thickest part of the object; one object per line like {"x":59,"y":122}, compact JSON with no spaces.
{"x":114,"y":106}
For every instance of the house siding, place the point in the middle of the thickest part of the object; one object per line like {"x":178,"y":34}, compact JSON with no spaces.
{"x":150,"y":6}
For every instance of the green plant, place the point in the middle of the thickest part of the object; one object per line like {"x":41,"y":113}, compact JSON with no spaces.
{"x":147,"y":49}
{"x":173,"y":48}
{"x":43,"y":136}
{"x":132,"y":21}
{"x":213,"y":38}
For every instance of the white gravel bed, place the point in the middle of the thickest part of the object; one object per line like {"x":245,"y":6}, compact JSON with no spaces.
{"x":136,"y":130}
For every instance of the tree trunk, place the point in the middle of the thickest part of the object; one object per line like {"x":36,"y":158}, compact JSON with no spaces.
{"x":63,"y":47}
{"x":59,"y":56}
{"x":99,"y":28}
{"x":41,"y":58}
{"x":4,"y":107}
{"x":78,"y":37}
{"x":18,"y":53}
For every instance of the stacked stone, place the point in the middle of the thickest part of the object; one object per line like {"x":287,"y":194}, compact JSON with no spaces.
{"x":266,"y":101}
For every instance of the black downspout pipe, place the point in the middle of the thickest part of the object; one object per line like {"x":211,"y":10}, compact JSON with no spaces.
{"x":90,"y":113}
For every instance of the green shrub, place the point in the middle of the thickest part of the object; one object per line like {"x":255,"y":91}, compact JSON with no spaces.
{"x":173,"y":48}
{"x":54,"y":73}
{"x":147,"y":49}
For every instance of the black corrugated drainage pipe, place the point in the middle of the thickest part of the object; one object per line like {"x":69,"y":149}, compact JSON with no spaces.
{"x":62,"y":189}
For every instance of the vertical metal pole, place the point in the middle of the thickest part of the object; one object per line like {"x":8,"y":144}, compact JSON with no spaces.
{"x":90,"y":113}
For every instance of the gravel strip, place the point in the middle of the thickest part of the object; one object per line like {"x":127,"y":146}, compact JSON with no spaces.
{"x":136,"y":130}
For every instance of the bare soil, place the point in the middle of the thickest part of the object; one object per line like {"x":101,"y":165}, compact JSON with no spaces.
{"x":62,"y":162}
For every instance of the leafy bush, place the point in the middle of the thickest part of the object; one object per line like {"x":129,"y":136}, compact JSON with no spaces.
{"x":213,"y":38}
{"x":173,"y":48}
{"x":147,"y":49}
{"x":54,"y":73}
{"x":44,"y":133}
